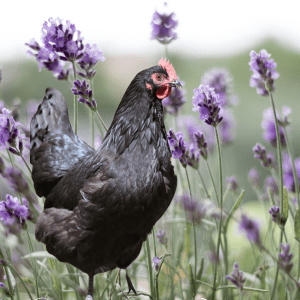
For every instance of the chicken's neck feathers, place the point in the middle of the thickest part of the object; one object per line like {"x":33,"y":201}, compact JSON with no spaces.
{"x":139,"y":113}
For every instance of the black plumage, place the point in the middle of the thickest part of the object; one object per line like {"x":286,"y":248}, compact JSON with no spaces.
{"x":101,"y":205}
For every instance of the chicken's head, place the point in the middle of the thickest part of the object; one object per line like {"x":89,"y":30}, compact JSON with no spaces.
{"x":161,"y":79}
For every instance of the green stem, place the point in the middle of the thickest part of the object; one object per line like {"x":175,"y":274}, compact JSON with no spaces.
{"x":221,"y":207}
{"x":296,"y":181}
{"x":28,"y":168}
{"x":154,"y":243}
{"x":277,"y":271}
{"x":280,"y":180}
{"x":11,"y":161}
{"x":101,"y":120}
{"x":212,"y":180}
{"x":33,"y":263}
{"x":148,"y":254}
{"x":75,"y":102}
{"x":7,"y":275}
{"x":194,"y":229}
{"x":203,"y":184}
{"x":92,"y":119}
{"x":22,"y":281}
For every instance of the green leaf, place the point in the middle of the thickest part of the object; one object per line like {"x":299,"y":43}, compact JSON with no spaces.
{"x":39,"y":254}
{"x":297,"y":294}
{"x":187,"y":242}
{"x":271,"y":197}
{"x":297,"y":225}
{"x":263,"y":278}
{"x":234,"y":208}
{"x":192,"y":281}
{"x":199,"y":274}
{"x":285,"y":212}
{"x":55,"y":279}
{"x":244,"y":288}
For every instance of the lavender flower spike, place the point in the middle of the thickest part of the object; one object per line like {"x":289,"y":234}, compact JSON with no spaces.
{"x":236,"y":277}
{"x":251,"y":229}
{"x":163,"y":27}
{"x":232,"y":182}
{"x":288,"y":177}
{"x":201,"y":144}
{"x":155,"y":263}
{"x":274,"y":211}
{"x":260,"y":154}
{"x":10,"y":135}
{"x":284,"y":258}
{"x":254,"y":178}
{"x":180,"y":147}
{"x":268,"y":124}
{"x":264,"y":72}
{"x":207,"y":102}
{"x":161,"y":235}
{"x":86,"y":95}
{"x":220,"y":80}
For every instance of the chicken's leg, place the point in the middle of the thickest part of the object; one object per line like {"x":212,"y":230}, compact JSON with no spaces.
{"x":90,"y":290}
{"x":130,"y":285}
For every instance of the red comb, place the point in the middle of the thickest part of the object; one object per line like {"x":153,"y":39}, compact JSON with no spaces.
{"x":168,"y":67}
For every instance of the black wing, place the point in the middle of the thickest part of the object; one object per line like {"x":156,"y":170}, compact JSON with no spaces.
{"x":54,"y":148}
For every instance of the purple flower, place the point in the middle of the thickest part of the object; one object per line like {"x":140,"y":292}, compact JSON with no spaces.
{"x":190,"y":125}
{"x":284,"y":258}
{"x":33,"y":44}
{"x":18,"y":182}
{"x":161,"y":235}
{"x":254,"y":178}
{"x":192,"y":157}
{"x":251,"y":228}
{"x":155,"y":263}
{"x":220,"y":80}
{"x":288,"y":177}
{"x":62,"y":43}
{"x":208,"y":104}
{"x":13,"y":212}
{"x":163,"y":27}
{"x":232,"y":182}
{"x":268,"y":124}
{"x":4,"y":289}
{"x":10,"y":136}
{"x":264,"y":72}
{"x":270,"y":183}
{"x":212,"y":255}
{"x":86,"y":95}
{"x":201,"y":144}
{"x":236,"y":277}
{"x":260,"y":154}
{"x":176,"y":99}
{"x":194,"y":210}
{"x":59,"y":38}
{"x":274,"y":211}
{"x":176,"y":141}
{"x":91,"y":56}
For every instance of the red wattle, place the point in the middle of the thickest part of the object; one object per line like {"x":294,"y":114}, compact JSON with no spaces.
{"x":163,"y":92}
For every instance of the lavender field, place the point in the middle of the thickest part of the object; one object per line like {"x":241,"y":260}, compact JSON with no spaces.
{"x":232,"y":230}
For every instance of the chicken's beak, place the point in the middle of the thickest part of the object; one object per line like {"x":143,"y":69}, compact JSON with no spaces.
{"x":175,"y":83}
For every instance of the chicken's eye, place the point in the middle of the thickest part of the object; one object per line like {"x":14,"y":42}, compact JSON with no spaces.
{"x":159,"y":77}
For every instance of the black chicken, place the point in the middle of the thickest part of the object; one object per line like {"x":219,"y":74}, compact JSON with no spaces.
{"x":101,"y":205}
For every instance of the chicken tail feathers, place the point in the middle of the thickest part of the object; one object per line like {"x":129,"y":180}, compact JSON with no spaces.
{"x":50,"y":118}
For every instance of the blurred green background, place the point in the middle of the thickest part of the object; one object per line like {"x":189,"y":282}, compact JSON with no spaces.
{"x":21,"y":79}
